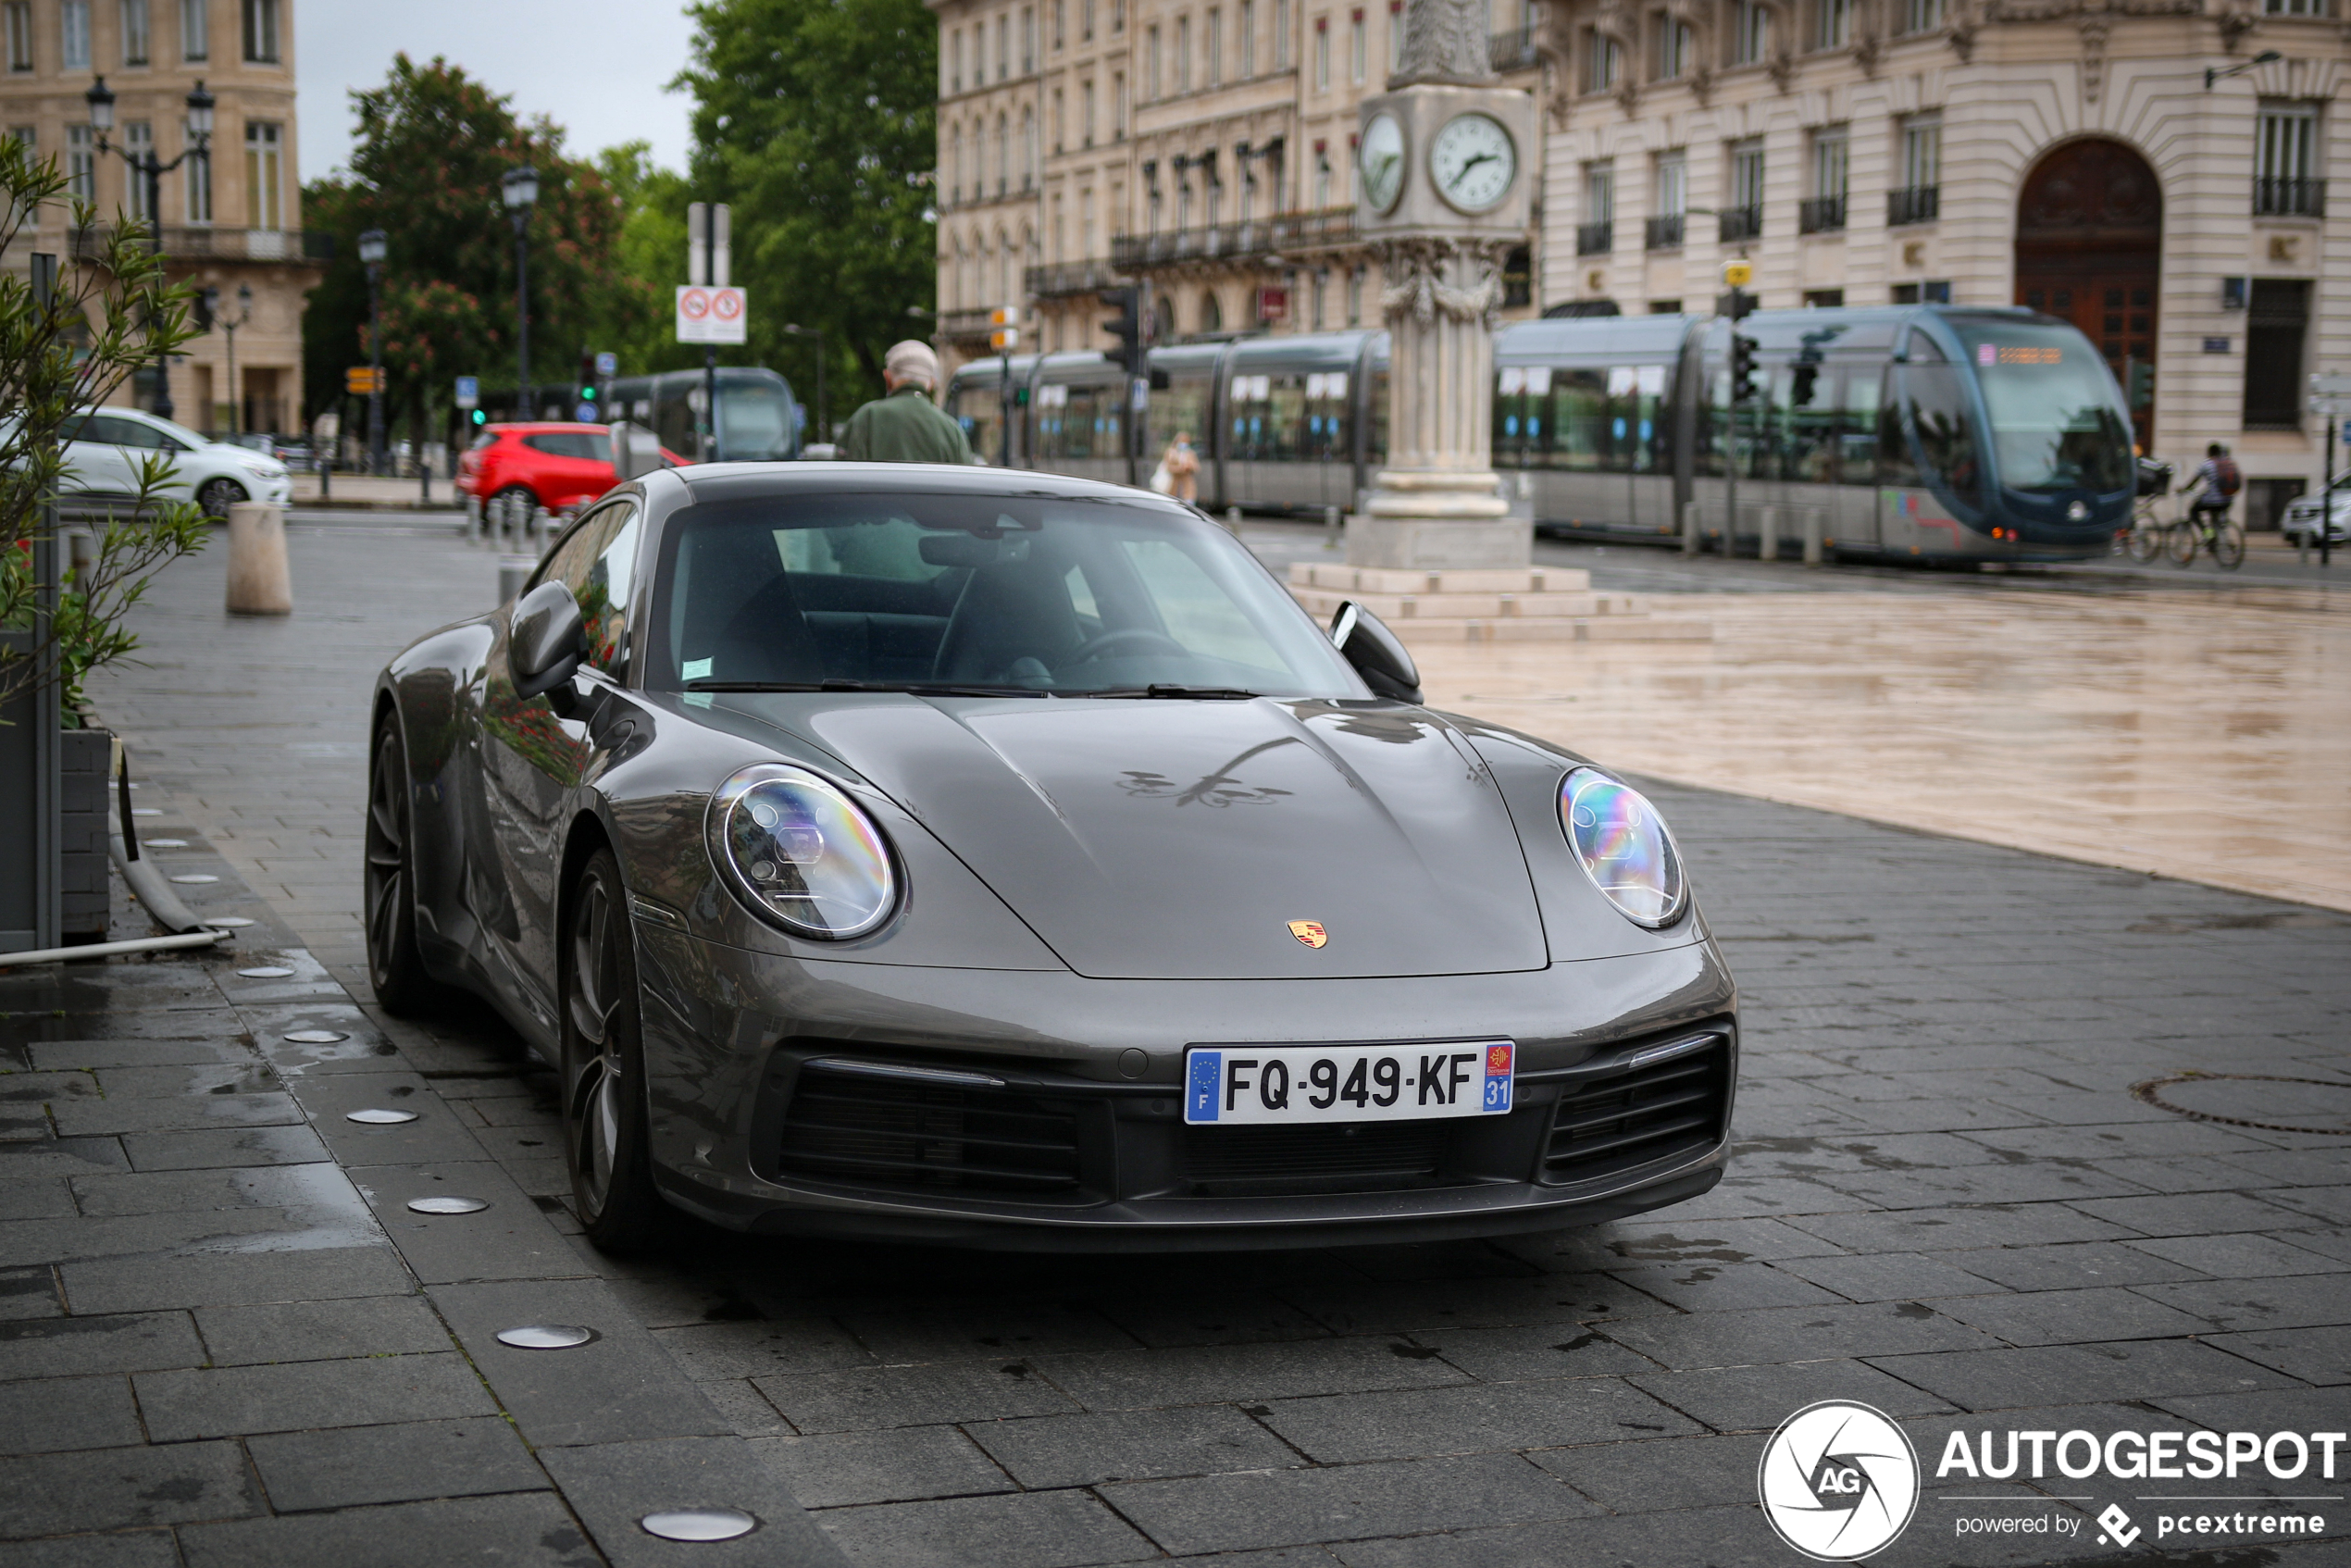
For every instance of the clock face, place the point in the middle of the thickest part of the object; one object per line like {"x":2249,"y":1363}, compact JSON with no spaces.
{"x":1382,"y":161}
{"x":1472,"y":162}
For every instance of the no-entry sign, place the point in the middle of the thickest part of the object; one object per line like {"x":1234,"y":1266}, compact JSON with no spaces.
{"x":711,"y":316}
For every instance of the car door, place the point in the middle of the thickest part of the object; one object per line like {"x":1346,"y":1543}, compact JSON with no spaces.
{"x":533,"y":760}
{"x":95,"y":460}
{"x":140,"y":442}
{"x":568,"y":467}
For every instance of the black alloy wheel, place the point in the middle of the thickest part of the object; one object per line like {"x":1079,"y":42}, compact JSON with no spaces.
{"x":216,"y":496}
{"x":394,"y":967}
{"x":602,"y":1066}
{"x":516,"y":523}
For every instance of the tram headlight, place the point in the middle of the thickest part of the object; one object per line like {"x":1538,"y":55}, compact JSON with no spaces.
{"x":1622,"y":845}
{"x":800,"y":853}
{"x":2078,"y":513}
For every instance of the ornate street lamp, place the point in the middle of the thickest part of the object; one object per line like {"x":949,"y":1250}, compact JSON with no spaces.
{"x":150,"y":168}
{"x":372,"y":246}
{"x":521,"y":195}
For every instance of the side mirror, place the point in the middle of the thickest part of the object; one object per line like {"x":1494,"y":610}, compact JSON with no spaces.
{"x":1377,"y":654}
{"x":635,"y":450}
{"x":546,"y":639}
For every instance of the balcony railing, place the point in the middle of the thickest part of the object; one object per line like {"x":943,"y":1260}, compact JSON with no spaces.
{"x":1663,"y":233}
{"x":970,"y":323}
{"x":2289,"y":198}
{"x":1514,"y":50}
{"x":1595,"y":238}
{"x":1065,"y":279}
{"x":1918,"y":204}
{"x":1280,"y":234}
{"x":1820,"y":215}
{"x":1741,"y":223}
{"x":285,"y":247}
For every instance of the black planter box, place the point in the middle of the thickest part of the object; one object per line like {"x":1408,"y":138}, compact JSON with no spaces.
{"x":85,"y":761}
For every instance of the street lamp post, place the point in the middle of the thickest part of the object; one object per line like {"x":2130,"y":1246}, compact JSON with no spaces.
{"x":152,"y":168}
{"x":229,"y":328}
{"x":522,"y":193}
{"x":824,"y":424}
{"x":372,"y":248}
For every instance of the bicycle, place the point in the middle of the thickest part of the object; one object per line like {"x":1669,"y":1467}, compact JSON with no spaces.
{"x":2142,"y":540}
{"x":2201,"y":531}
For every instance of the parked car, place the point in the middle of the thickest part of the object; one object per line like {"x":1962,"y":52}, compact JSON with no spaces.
{"x":556,"y":466}
{"x":951,"y":855}
{"x":2301,"y":519}
{"x":104,"y":451}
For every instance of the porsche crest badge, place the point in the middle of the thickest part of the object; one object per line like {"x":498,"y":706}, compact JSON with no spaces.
{"x":1311,"y":932}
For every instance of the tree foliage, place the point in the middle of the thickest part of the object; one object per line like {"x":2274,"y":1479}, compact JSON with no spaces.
{"x":111,"y":312}
{"x":813,"y":118}
{"x":428,"y":167}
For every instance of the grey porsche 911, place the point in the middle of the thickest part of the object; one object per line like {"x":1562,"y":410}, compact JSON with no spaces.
{"x":992,"y":858}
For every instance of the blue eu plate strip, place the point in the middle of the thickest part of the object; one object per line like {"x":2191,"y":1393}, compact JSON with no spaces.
{"x":1207,"y":1077}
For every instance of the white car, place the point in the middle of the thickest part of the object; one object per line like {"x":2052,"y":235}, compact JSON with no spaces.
{"x":105,"y":450}
{"x":2301,"y":519}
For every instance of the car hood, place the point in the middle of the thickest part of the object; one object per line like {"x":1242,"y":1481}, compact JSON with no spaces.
{"x":1157,"y":839}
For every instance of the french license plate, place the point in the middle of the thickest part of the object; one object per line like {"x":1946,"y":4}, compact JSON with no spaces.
{"x":1287,"y":1084}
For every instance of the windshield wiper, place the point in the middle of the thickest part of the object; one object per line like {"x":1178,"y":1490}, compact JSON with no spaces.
{"x":916,"y":688}
{"x":1161,"y":689}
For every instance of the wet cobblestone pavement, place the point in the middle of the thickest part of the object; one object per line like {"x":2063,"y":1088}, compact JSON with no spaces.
{"x":229,"y":1340}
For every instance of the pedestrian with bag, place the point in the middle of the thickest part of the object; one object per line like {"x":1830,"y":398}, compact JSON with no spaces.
{"x":905,"y":426}
{"x":1178,"y":476}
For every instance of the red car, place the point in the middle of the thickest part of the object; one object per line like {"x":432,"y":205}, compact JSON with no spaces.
{"x":558,"y":466}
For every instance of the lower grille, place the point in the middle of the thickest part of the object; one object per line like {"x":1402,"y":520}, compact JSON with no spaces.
{"x":1281,"y":1162}
{"x":1615,"y":1122}
{"x":875,"y":1132}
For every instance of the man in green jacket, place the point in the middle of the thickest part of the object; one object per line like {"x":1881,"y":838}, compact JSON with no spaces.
{"x":905,"y":426}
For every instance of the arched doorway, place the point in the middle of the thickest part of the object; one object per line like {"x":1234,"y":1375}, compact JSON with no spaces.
{"x":2089,"y":245}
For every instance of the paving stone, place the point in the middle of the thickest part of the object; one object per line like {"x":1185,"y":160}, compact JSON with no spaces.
{"x":131,"y":1342}
{"x":1015,"y":1329}
{"x":43,"y":1241}
{"x":1705,"y":1339}
{"x":155,"y":1192}
{"x":1713,"y":1286}
{"x":121,"y":1488}
{"x":2194,"y":1214}
{"x":2314,"y":1355}
{"x":1343,"y":1502}
{"x":1747,"y":1398}
{"x":1887,"y":1276}
{"x":1409,"y":1309}
{"x":2308,"y":1302}
{"x":99,"y":1055}
{"x":1240,"y":1318}
{"x":712,"y":1351}
{"x":400,"y":1462}
{"x":1135,"y":1379}
{"x":38,"y":1198}
{"x":872,"y":1398}
{"x":227,"y":1401}
{"x":128,"y":1549}
{"x":1673,"y":1473}
{"x":1469,"y":1419}
{"x":1538,"y":1350}
{"x":216,"y":1148}
{"x":2240,"y":1257}
{"x":59,"y":1157}
{"x":2071,"y":1267}
{"x":611,"y":1486}
{"x":1034,"y":1529}
{"x":527,"y":1530}
{"x":511,"y":1239}
{"x":29,"y":1292}
{"x":55,"y":1414}
{"x":838,"y":1469}
{"x":123,"y":1285}
{"x":2019,"y":1379}
{"x":300,"y":1331}
{"x":1079,"y":1451}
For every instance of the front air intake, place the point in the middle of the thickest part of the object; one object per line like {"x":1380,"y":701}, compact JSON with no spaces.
{"x":1667,"y":1100}
{"x":846,"y":1125}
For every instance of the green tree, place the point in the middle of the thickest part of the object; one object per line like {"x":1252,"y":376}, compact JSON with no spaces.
{"x":652,"y":255}
{"x":428,"y":167}
{"x":813,"y":118}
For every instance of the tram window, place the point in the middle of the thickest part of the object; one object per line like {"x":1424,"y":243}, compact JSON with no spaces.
{"x":1895,"y":465}
{"x":1580,"y":420}
{"x":2056,"y":424}
{"x":1713,"y":426}
{"x":1857,"y":429}
{"x":1650,"y":445}
{"x":1285,"y":417}
{"x":1329,"y":431}
{"x":1183,"y":408}
{"x":980,"y":412}
{"x":1936,"y":399}
{"x":1812,"y":424}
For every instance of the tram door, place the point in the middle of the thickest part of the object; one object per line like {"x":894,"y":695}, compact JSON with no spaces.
{"x":1804,"y":402}
{"x":1853,"y":520}
{"x":1330,"y":438}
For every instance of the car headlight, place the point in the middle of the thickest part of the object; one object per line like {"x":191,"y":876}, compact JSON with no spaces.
{"x":1622,"y":845}
{"x":800,"y":853}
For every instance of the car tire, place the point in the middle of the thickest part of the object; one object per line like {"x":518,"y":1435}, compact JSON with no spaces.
{"x":395,"y":968}
{"x":216,"y":495}
{"x":601,"y":1089}
{"x":529,"y":497}
{"x":2228,"y":547}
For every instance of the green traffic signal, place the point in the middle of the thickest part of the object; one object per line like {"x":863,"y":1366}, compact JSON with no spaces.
{"x":479,"y":418}
{"x":587,"y":394}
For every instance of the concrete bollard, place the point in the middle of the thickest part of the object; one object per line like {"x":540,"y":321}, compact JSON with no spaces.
{"x":1689,"y":528}
{"x":1767,"y":535}
{"x":513,"y":572}
{"x":1812,"y":522}
{"x":259,"y":582}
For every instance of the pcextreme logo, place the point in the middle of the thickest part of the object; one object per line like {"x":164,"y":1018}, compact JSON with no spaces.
{"x":1838,"y":1481}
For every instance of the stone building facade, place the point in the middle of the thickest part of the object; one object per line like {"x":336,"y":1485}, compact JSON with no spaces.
{"x":1204,"y":146}
{"x":2068,"y":155}
{"x":231,"y":218}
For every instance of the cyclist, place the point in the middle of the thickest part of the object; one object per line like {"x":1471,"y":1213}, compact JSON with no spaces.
{"x":2218,"y":479}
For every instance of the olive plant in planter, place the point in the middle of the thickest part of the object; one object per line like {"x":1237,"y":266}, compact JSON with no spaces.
{"x":75,"y":322}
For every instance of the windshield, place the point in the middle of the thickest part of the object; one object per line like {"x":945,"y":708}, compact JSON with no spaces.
{"x":1062,"y":597}
{"x":2057,"y":417}
{"x":754,"y":423}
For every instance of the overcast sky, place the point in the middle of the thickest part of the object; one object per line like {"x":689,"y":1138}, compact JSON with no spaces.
{"x":596,"y":67}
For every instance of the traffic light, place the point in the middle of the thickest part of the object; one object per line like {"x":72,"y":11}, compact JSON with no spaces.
{"x":1127,"y":327}
{"x":587,"y":377}
{"x":480,"y":417}
{"x":1003,"y":324}
{"x":2141,"y":383}
{"x":1743,"y":386}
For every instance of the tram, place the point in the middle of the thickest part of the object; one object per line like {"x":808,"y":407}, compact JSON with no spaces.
{"x":759,"y":420}
{"x":1926,"y":432}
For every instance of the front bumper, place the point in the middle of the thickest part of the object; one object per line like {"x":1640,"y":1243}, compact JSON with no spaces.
{"x":1055,"y":1124}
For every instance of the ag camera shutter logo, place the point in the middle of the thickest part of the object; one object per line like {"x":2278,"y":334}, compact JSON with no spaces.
{"x":1838,"y":1481}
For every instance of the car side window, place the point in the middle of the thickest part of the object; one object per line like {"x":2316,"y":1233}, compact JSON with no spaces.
{"x":611,"y":578}
{"x":113,"y":431}
{"x":568,"y":562}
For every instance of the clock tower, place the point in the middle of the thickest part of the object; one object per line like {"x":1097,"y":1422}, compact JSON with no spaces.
{"x":1445,"y":158}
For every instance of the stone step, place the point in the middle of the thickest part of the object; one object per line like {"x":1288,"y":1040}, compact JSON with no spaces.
{"x":1357,"y":580}
{"x":1323,"y":603}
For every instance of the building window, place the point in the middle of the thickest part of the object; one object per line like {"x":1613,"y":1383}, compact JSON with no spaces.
{"x":955,"y":165}
{"x":139,"y":140}
{"x":1212,"y":38}
{"x":1004,"y":46}
{"x":1060,"y":8}
{"x":18,"y":15}
{"x":134,"y":32}
{"x":1836,"y":24}
{"x":2285,"y":167}
{"x":1321,"y":178}
{"x":1027,"y":149}
{"x":1281,"y":35}
{"x":1672,"y":195}
{"x":1603,"y":61}
{"x":1085,"y":22}
{"x":1355,"y":50}
{"x":1395,"y":33}
{"x":263,"y":143}
{"x":1919,"y":198}
{"x":951,"y":61}
{"x":1922,"y":15}
{"x":199,"y":171}
{"x":1183,"y":54}
{"x":1150,"y":64}
{"x":1086,"y":111}
{"x":1028,"y":40}
{"x":81,"y":163}
{"x":1118,"y":16}
{"x":1118,"y":107}
{"x":2277,"y":321}
{"x":1823,"y":211}
{"x":1058,"y":120}
{"x":1247,"y":16}
{"x":1824,"y":299}
{"x":2297,"y":7}
{"x":1355,"y":297}
{"x":261,"y":33}
{"x":1004,"y":157}
{"x":25,"y":136}
{"x":1750,"y":33}
{"x":1934,"y":292}
{"x":1086,"y":222}
{"x":195,"y":29}
{"x":1321,"y":53}
{"x":1674,"y":43}
{"x":1597,"y":234}
{"x":73,"y":33}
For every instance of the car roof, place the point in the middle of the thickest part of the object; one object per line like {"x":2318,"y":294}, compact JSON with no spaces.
{"x":540,"y":427}
{"x":728,"y":481}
